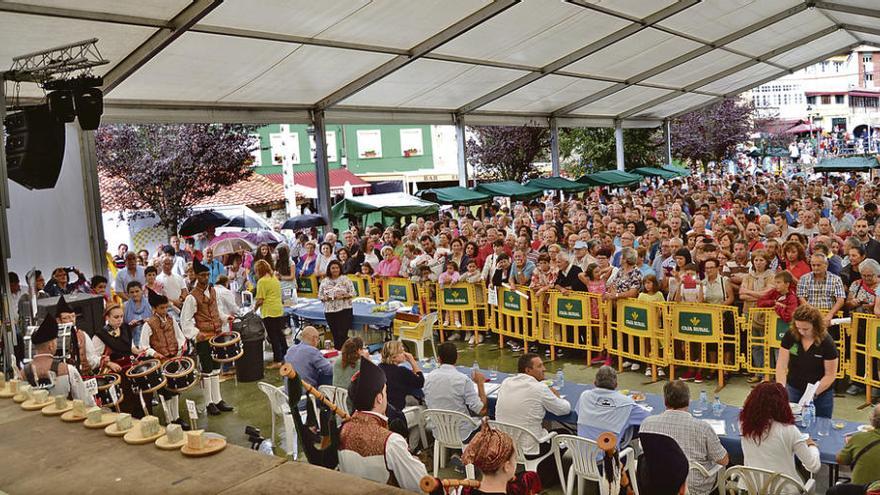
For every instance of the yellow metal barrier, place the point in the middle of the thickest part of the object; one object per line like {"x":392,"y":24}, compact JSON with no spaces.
{"x":864,"y":361}
{"x":307,"y":286}
{"x":639,"y":332}
{"x":462,"y":307}
{"x":765,"y":330}
{"x":514,"y":316}
{"x":576,"y":321}
{"x":704,"y":336}
{"x":398,"y":289}
{"x":364,"y":286}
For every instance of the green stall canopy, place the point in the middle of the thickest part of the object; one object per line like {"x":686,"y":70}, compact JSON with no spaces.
{"x":655,"y":172}
{"x":614,"y":178}
{"x":681,"y":171}
{"x":847,"y":164}
{"x":455,"y":196}
{"x":557,"y":184}
{"x":379,"y":207}
{"x":510,"y":189}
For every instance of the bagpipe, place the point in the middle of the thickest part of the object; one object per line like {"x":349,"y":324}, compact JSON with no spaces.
{"x":524,"y":483}
{"x":319,"y":433}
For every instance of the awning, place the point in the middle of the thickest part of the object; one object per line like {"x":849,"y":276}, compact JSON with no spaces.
{"x":510,"y":189}
{"x":847,"y":164}
{"x":557,"y":184}
{"x":455,"y":196}
{"x":338,"y":179}
{"x":389,"y":205}
{"x":681,"y":171}
{"x":655,"y":172}
{"x":772,"y":152}
{"x":803,"y":128}
{"x":614,"y":178}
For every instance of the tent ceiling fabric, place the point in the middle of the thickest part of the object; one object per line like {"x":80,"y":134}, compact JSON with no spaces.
{"x":504,"y":62}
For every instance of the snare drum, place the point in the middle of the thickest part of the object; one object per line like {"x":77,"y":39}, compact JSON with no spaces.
{"x":146,"y":376}
{"x":226,"y":347}
{"x":180,"y":374}
{"x":104,"y":397}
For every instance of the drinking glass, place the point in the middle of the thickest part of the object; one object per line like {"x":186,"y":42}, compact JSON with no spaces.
{"x":493,"y":373}
{"x":823,"y":426}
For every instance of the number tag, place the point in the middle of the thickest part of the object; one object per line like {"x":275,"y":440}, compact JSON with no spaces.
{"x":91,"y":387}
{"x":191,"y":409}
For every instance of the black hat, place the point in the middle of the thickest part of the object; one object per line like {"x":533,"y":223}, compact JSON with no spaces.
{"x":47,"y":331}
{"x":663,"y":468}
{"x":63,"y":307}
{"x":155,"y":299}
{"x":366,"y":385}
{"x":198,"y":267}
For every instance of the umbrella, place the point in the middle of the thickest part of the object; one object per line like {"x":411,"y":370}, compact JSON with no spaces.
{"x":304,"y":222}
{"x":247,"y":222}
{"x":267,"y":236}
{"x":230,"y":245}
{"x":203,"y":221}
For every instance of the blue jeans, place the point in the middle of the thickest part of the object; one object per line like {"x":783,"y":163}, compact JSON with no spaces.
{"x":824,"y":402}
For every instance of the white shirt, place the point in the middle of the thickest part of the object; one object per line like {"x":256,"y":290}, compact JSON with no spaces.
{"x":147,"y":332}
{"x":226,"y":300}
{"x":447,"y":388}
{"x":188,"y":314}
{"x":93,"y":357}
{"x":777,"y":450}
{"x":173,"y":285}
{"x":524,"y":401}
{"x":179,"y":266}
{"x":408,"y":470}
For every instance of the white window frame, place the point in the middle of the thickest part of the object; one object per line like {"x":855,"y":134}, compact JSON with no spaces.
{"x":412,"y":139}
{"x":288,"y":156}
{"x":369,"y":143}
{"x":257,"y":154}
{"x":332,"y":149}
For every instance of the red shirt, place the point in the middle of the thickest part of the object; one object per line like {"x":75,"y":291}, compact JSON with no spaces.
{"x":756,"y":244}
{"x":799,"y":269}
{"x":789,"y":301}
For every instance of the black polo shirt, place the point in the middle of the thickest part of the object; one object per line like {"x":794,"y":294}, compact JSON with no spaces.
{"x":570,"y":279}
{"x":807,"y":366}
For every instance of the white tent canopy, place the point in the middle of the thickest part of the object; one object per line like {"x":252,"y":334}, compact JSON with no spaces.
{"x":584,"y":62}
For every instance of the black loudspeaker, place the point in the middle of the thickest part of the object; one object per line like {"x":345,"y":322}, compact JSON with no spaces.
{"x":89,"y":107}
{"x":34,"y":147}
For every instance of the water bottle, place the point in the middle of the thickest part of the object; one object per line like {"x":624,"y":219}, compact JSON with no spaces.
{"x":475,"y":368}
{"x":266,"y":447}
{"x":560,"y":379}
{"x":808,"y":416}
{"x":702,"y":404}
{"x":717,"y":407}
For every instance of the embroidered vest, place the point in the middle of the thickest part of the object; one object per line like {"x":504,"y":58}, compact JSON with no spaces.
{"x":162,"y":338}
{"x":207,"y":315}
{"x":365,"y":434}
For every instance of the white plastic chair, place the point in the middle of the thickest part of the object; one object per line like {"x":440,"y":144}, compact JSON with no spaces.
{"x":420,"y":333}
{"x":584,"y":462}
{"x":337,"y":395}
{"x":716,"y":473}
{"x":446,"y":426}
{"x":280,"y":406}
{"x":415,"y":421}
{"x":757,"y":481}
{"x":524,"y":440}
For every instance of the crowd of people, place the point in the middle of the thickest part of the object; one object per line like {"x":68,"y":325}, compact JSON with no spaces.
{"x":806,"y":249}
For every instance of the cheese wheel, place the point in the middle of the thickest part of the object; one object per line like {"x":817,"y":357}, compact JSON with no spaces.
{"x":174,"y":433}
{"x":94,"y":414}
{"x":39,"y":395}
{"x":13,"y":385}
{"x":149,"y":426}
{"x":79,"y":408}
{"x":60,"y":402}
{"x":123,"y":421}
{"x":195,"y":439}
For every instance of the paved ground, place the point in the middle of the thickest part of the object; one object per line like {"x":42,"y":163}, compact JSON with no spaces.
{"x":252,"y":407}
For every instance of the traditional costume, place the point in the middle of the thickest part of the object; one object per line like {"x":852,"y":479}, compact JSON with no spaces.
{"x":82,"y":352}
{"x":663,"y":468}
{"x":160,"y":334}
{"x":370,"y":450}
{"x":59,"y":379}
{"x":201,"y":318}
{"x":114,"y":344}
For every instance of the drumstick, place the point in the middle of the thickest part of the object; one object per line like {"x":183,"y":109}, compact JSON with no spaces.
{"x":429,"y":483}
{"x":288,"y":372}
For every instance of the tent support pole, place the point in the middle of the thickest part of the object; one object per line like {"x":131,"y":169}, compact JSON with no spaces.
{"x":322,"y":168}
{"x":618,"y":143}
{"x":7,"y":326}
{"x":554,"y":147}
{"x":667,"y":134}
{"x":92,"y":194}
{"x":460,"y":141}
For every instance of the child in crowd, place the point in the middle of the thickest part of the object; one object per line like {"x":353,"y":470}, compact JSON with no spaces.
{"x":136,"y":309}
{"x":472,"y":275}
{"x":690,"y":289}
{"x":450,"y":277}
{"x":783,"y":299}
{"x":595,"y":285}
{"x":98,"y":283}
{"x":543,"y":277}
{"x":651,"y":290}
{"x":150,"y":273}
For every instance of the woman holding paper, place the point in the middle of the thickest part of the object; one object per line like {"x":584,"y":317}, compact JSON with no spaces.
{"x":808,"y":355}
{"x":337,"y":291}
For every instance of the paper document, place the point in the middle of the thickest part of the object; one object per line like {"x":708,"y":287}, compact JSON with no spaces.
{"x":491,"y":388}
{"x":718,"y":426}
{"x":809,"y":393}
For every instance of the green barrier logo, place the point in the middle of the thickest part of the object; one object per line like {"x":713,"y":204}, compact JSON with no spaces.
{"x":397,"y":293}
{"x":512,"y":301}
{"x":457,"y":297}
{"x":781,"y":329}
{"x":357,"y":289}
{"x":695,"y":323}
{"x":635,"y":318}
{"x":305,"y":285}
{"x":570,"y":309}
{"x":877,"y":337}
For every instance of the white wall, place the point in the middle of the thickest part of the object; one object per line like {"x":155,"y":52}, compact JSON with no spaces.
{"x":48,"y":228}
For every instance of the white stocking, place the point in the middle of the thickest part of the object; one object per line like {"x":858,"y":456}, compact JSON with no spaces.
{"x":206,"y":389}
{"x":215,"y":386}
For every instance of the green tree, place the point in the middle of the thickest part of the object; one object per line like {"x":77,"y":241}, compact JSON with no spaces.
{"x":579,"y":148}
{"x":507,"y":153}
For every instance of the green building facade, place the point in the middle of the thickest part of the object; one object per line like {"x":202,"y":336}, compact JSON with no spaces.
{"x":364,"y":149}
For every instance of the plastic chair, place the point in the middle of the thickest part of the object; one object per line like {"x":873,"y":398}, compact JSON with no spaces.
{"x":420,"y":333}
{"x":337,"y":395}
{"x":447,"y":435}
{"x":716,"y":473}
{"x":524,"y":439}
{"x":415,"y":420}
{"x":280,"y":406}
{"x":585,"y":464}
{"x":757,"y":481}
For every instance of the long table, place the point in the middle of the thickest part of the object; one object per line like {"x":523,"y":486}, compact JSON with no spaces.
{"x":828,"y":445}
{"x":313,"y":311}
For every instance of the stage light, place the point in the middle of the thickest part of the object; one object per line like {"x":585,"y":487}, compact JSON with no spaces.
{"x":89,"y":107}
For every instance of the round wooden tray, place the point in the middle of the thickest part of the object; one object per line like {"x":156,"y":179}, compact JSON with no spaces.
{"x":30,"y":405}
{"x":133,"y":437}
{"x":163,"y":443}
{"x":212,"y":446}
{"x":107,"y":419}
{"x":113,"y":432}
{"x":53,"y":411}
{"x":72,"y":417}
